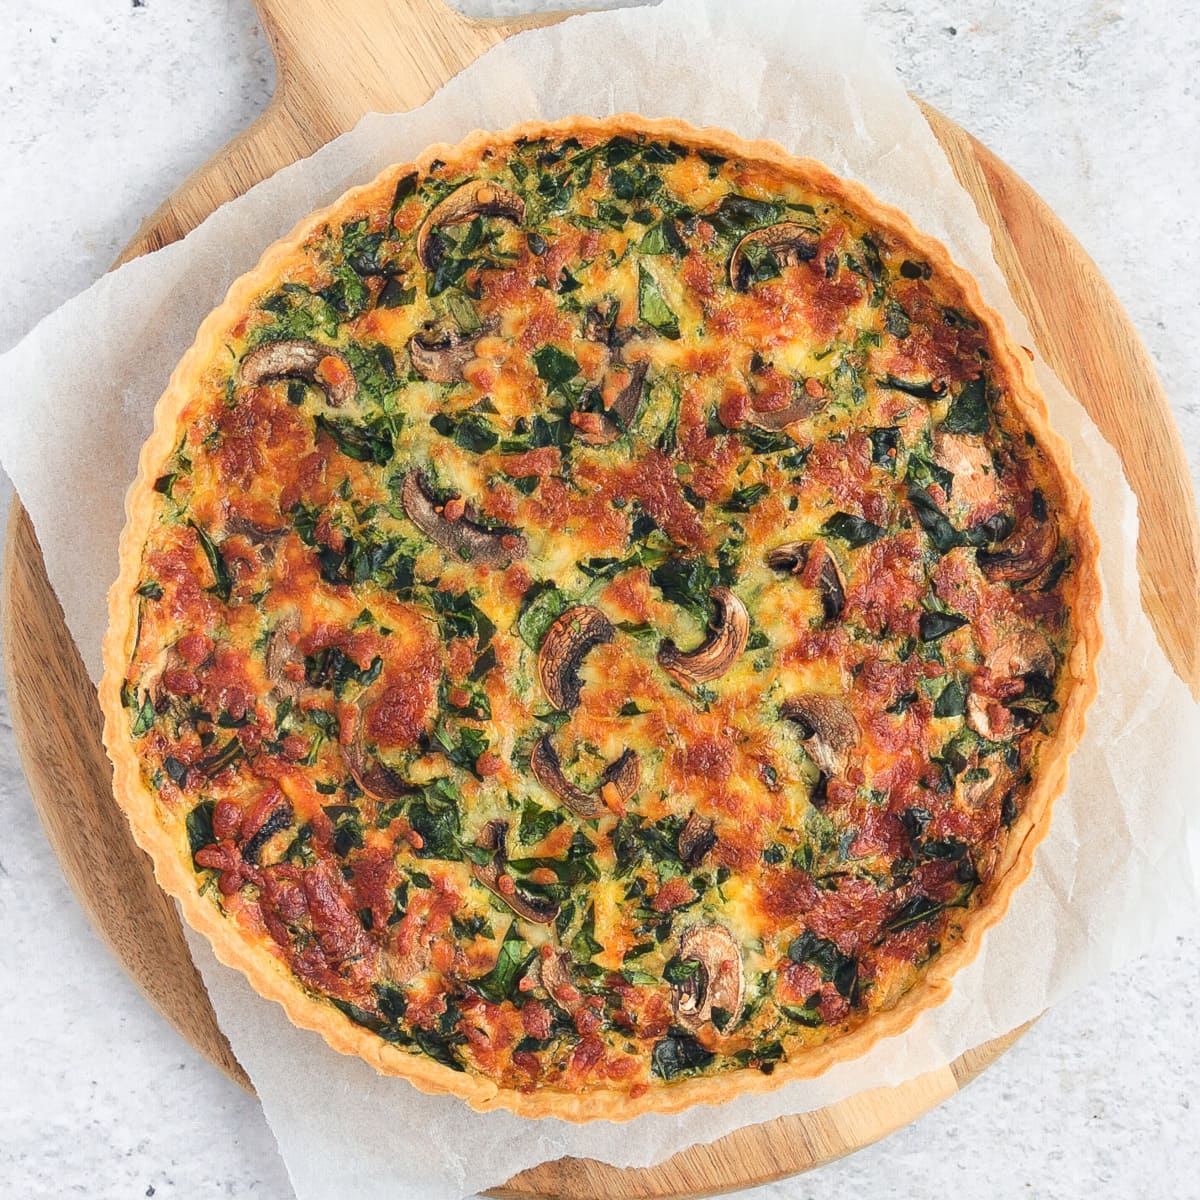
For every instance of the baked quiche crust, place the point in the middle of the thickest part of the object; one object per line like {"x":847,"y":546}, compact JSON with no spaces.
{"x":764,"y":895}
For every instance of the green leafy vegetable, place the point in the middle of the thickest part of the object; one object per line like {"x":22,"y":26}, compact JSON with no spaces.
{"x":501,"y":982}
{"x":537,"y":822}
{"x":838,"y":968}
{"x":541,"y":605}
{"x":952,"y":702}
{"x":363,"y":443}
{"x":855,"y":531}
{"x":555,"y":367}
{"x":745,"y":498}
{"x":223,"y":587}
{"x":333,"y":668}
{"x":144,"y":721}
{"x":200,"y":829}
{"x":969,"y":412}
{"x":935,"y":625}
{"x":677,"y":1055}
{"x":434,"y":815}
{"x":653,"y":309}
{"x":919,"y":908}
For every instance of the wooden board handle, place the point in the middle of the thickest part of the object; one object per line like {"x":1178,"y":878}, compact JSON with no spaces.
{"x":330,"y":57}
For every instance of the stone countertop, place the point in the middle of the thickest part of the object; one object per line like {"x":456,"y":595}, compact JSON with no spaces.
{"x":109,"y":105}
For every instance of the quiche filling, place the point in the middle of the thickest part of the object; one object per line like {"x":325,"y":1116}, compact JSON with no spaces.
{"x":602,"y":615}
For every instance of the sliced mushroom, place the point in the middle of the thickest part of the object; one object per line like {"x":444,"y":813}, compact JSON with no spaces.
{"x":400,"y":966}
{"x":979,"y":787}
{"x":554,"y":975}
{"x":256,"y":534}
{"x":477,"y":198}
{"x":696,"y":839}
{"x":439,"y":351}
{"x":563,"y":649}
{"x":1027,"y":659}
{"x":600,"y":325}
{"x":463,"y":538}
{"x":265,"y":541}
{"x":794,"y":558}
{"x":801,"y":406}
{"x":788,"y":242}
{"x":376,"y":780}
{"x":280,"y":652}
{"x":299,"y":359}
{"x":1026,"y":553}
{"x":969,"y":460}
{"x":494,"y":837}
{"x":1023,"y":654}
{"x":829,"y":729}
{"x":624,"y":773}
{"x":622,"y":412}
{"x":280,"y":818}
{"x":720,"y":981}
{"x":727,"y":636}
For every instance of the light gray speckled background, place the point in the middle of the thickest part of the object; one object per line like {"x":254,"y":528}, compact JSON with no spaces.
{"x":108,"y":104}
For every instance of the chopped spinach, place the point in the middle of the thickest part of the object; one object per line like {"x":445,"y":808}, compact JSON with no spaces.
{"x":537,"y":822}
{"x":223,"y":585}
{"x":935,"y":625}
{"x":363,"y":443}
{"x":855,"y":531}
{"x":969,"y":411}
{"x":678,"y":1054}
{"x":200,"y":829}
{"x":333,"y":668}
{"x":541,"y":605}
{"x":885,"y":446}
{"x":501,"y":982}
{"x":653,"y":309}
{"x":686,"y":582}
{"x":838,"y":968}
{"x":919,"y":908}
{"x":743,"y":499}
{"x":434,"y":815}
{"x":555,"y":367}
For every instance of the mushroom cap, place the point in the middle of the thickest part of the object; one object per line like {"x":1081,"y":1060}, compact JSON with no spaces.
{"x":624,"y":408}
{"x":1024,"y":555}
{"x":1022,"y":655}
{"x":720,"y":982}
{"x":800,"y":407}
{"x":794,"y":558}
{"x":563,"y":649}
{"x":554,"y":975}
{"x":300,"y":359}
{"x":789,"y":242}
{"x":280,"y":651}
{"x":832,"y":731}
{"x":696,"y":839}
{"x":476,"y":198}
{"x":376,"y":780}
{"x":463,"y":538}
{"x":728,"y":634}
{"x":401,"y":966}
{"x":624,"y":773}
{"x":968,"y":459}
{"x":494,"y":837}
{"x":439,"y":352}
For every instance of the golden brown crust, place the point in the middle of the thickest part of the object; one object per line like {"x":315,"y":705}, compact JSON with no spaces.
{"x":270,"y":977}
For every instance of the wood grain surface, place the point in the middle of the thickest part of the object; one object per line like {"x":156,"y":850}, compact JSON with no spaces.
{"x":403,"y":50}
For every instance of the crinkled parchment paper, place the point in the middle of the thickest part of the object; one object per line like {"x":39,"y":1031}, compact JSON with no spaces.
{"x":1119,"y":867}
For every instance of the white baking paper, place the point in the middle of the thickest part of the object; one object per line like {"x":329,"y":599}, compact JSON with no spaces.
{"x":1119,"y":868}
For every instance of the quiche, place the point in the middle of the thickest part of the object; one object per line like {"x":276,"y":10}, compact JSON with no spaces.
{"x":602,"y":621}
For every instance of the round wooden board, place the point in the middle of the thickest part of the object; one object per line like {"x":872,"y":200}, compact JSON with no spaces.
{"x":416,"y":45}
